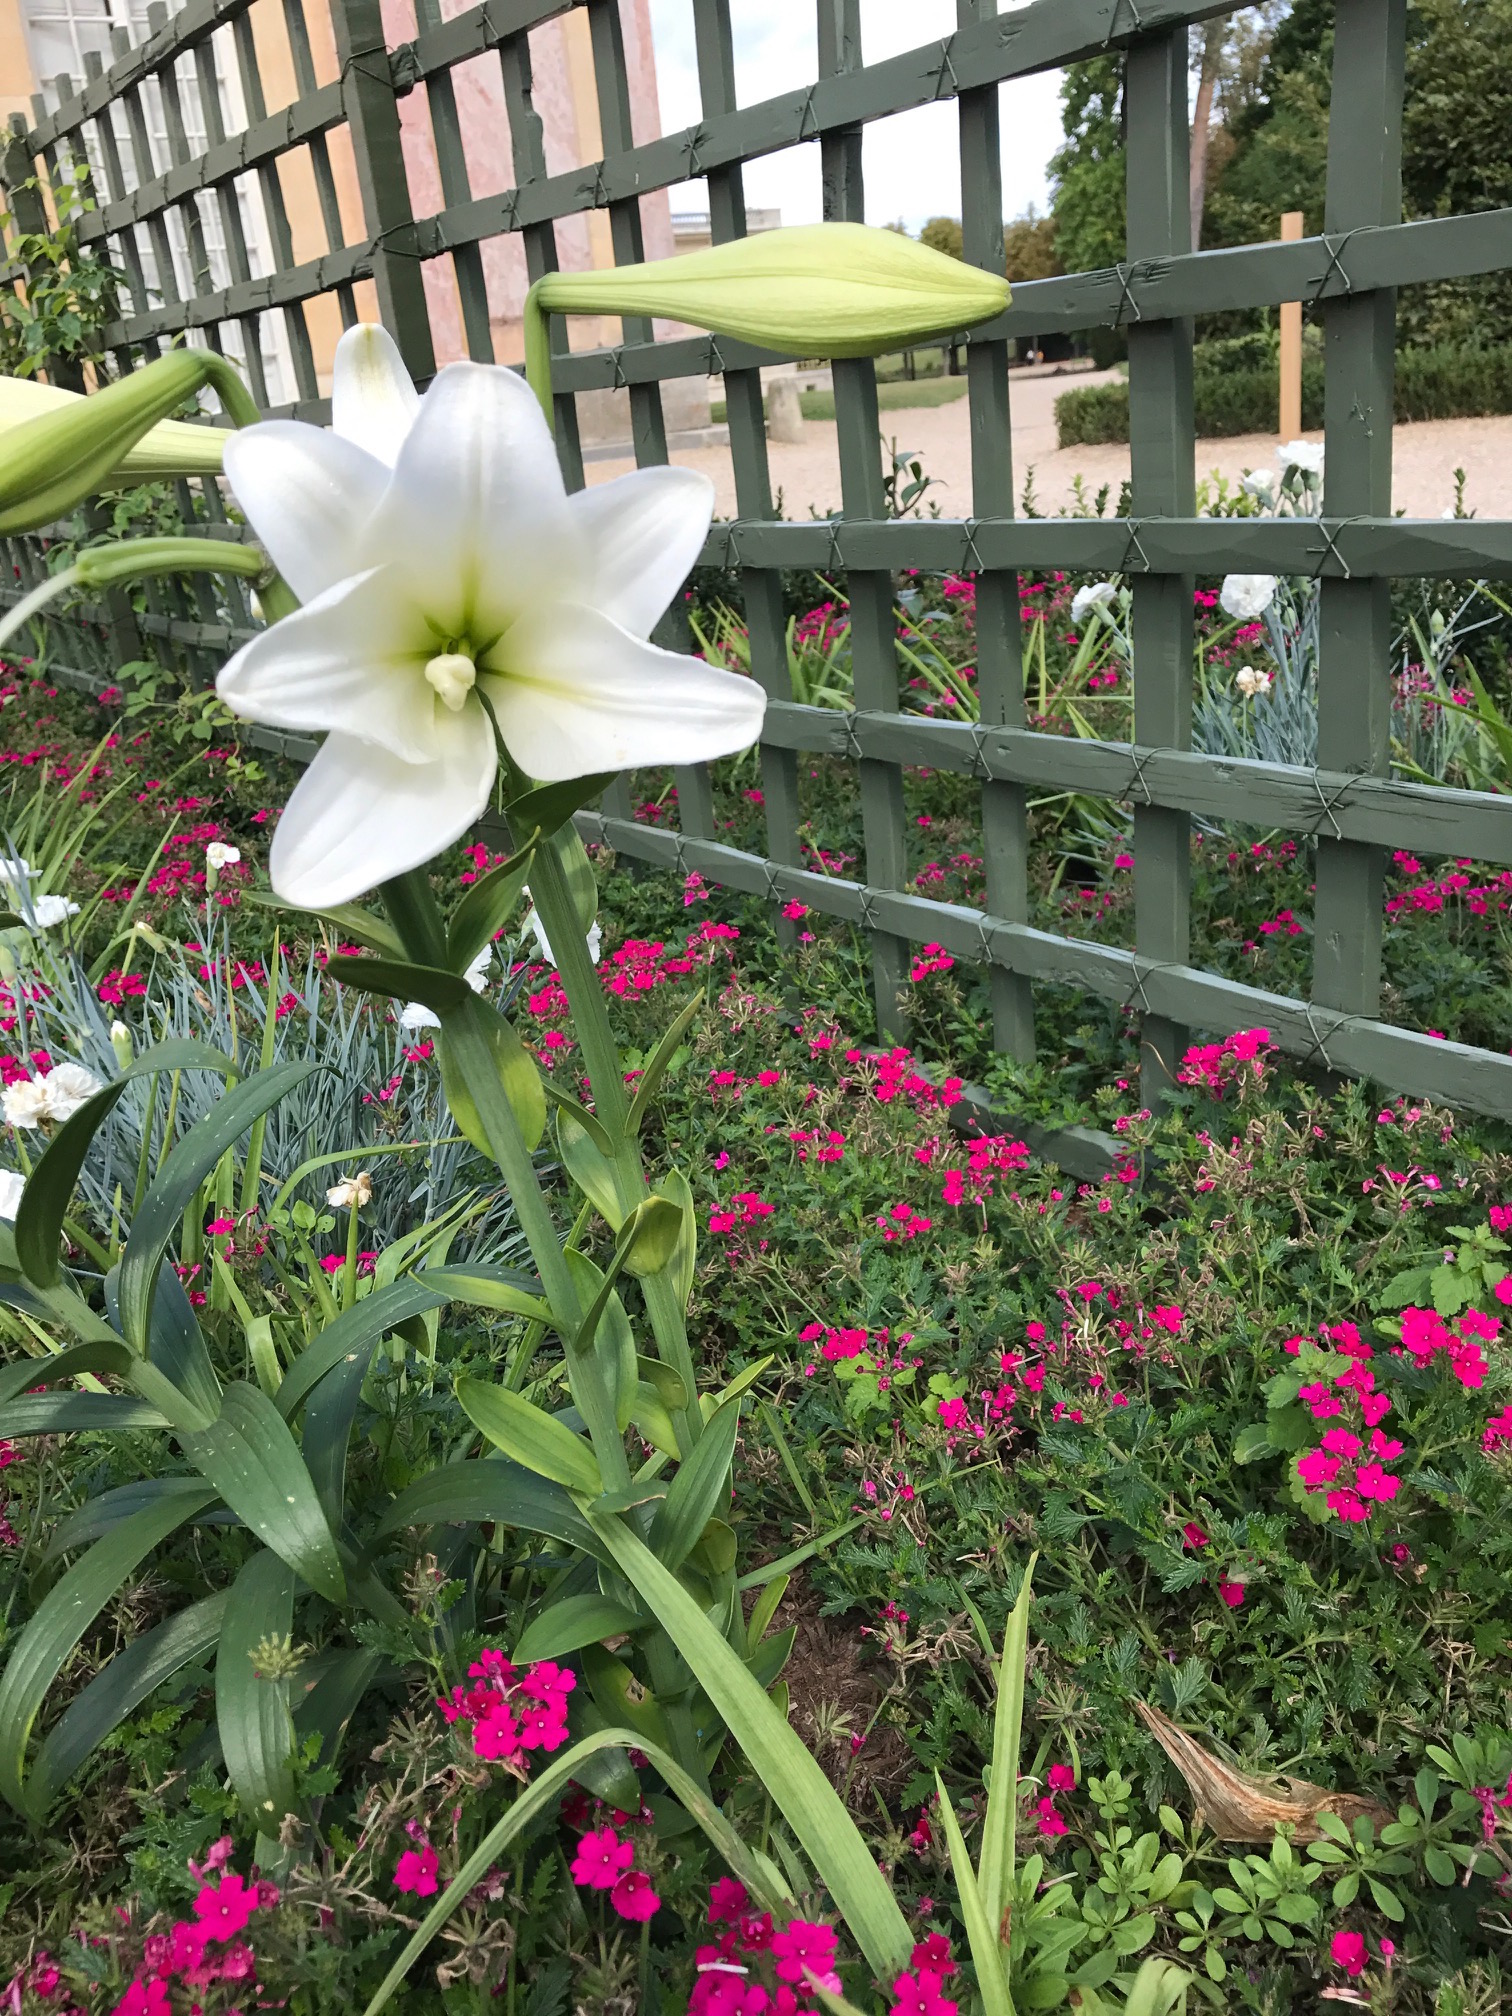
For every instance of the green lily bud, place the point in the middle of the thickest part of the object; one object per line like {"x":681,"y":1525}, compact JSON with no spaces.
{"x":168,"y":449}
{"x":120,"y":1042}
{"x":813,"y":290}
{"x":54,"y":460}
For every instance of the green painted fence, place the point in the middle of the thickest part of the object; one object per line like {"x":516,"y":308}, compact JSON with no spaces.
{"x":155,"y":203}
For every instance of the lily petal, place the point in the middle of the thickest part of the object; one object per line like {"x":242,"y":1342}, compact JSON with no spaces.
{"x":476,"y":518}
{"x":307,"y":495}
{"x":643,"y":532}
{"x":360,"y":815}
{"x":573,"y":693}
{"x":373,"y":397}
{"x":352,"y":660}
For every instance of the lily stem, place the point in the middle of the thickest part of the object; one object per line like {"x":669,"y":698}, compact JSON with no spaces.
{"x":552,"y":894}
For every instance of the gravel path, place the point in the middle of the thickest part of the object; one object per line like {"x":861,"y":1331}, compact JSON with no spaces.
{"x":807,"y":473}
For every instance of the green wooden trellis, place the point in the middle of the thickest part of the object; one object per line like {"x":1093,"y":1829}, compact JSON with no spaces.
{"x":1349,"y":804}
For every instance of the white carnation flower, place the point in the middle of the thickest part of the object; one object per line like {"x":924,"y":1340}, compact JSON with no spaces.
{"x":25,"y":1102}
{"x":1304,"y":456}
{"x":1252,"y":680}
{"x":1096,"y":597}
{"x":65,"y":1089}
{"x":1260,"y":483}
{"x":50,"y":910}
{"x":1246,"y":596}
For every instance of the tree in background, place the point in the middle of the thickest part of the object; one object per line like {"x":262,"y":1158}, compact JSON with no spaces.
{"x":943,"y":234}
{"x":1087,"y":174}
{"x":1030,"y":247}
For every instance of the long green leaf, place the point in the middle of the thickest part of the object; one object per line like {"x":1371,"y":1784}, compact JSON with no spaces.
{"x":77,"y":1414}
{"x":350,"y":920}
{"x":753,"y":1870}
{"x":252,"y":1714}
{"x":981,"y":1933}
{"x":438,"y":989}
{"x":45,"y":1200}
{"x":506,"y":1289}
{"x":998,"y":1829}
{"x":190,"y":1161}
{"x":101,"y":1514}
{"x":531,"y":1436}
{"x":479,"y":1026}
{"x":574,"y":1622}
{"x":253,"y":1461}
{"x":590,"y":1166}
{"x":330,"y":1415}
{"x":95,"y":1355}
{"x":42,"y":1649}
{"x":805,"y":1797}
{"x":355,"y":1329}
{"x":549,"y":806}
{"x":649,"y":1082}
{"x":487,"y":907}
{"x":121,"y":1685}
{"x":698,"y":1490}
{"x":176,"y":1344}
{"x":492,"y":1491}
{"x":327,"y":1709}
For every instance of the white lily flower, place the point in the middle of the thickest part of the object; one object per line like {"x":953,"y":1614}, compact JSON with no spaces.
{"x":11,"y":1186}
{"x":1260,"y":484}
{"x":538,"y":931}
{"x":415,"y":1015}
{"x":218,"y":855}
{"x":1095,"y":598}
{"x":1246,"y":596}
{"x":463,"y":584}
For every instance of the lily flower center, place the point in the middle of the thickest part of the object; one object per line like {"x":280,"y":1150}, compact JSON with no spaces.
{"x":453,"y":676}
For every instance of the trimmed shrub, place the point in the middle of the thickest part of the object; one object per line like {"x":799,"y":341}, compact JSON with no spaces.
{"x":1447,"y":382}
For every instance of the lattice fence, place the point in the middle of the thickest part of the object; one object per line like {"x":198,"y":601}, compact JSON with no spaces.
{"x":159,"y":197}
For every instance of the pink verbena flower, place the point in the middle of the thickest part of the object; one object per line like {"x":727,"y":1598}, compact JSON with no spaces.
{"x":633,"y":1897}
{"x":1348,"y":1951}
{"x":416,"y":1871}
{"x":601,"y":1859}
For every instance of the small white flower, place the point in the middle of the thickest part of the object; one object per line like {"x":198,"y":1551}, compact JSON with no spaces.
{"x":11,"y":1186}
{"x":538,"y":931}
{"x":1094,"y":598}
{"x":1252,"y":680}
{"x":1304,"y":456}
{"x":119,"y":1032}
{"x":218,"y":855}
{"x":66,"y":1087}
{"x":1260,"y":483}
{"x":49,"y":910}
{"x":1246,"y":596}
{"x":352,"y":1193}
{"x":15,"y":872}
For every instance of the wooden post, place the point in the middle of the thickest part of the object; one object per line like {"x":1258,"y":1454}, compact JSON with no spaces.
{"x":1291,"y":345}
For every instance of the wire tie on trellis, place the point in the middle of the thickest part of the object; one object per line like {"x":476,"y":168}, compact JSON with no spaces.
{"x":1133,"y":545}
{"x":1136,"y":996}
{"x":1335,"y":263}
{"x":1330,"y":547}
{"x":973,"y":560}
{"x":868,"y":909}
{"x":409,"y":251}
{"x":807,"y":113}
{"x":1319,"y":1041}
{"x":1113,"y":24}
{"x":511,"y":207}
{"x":773,"y":875}
{"x":1137,"y":782}
{"x":853,"y":749}
{"x":979,"y":766}
{"x":946,"y":69}
{"x":835,"y":560}
{"x":600,"y":195}
{"x":1126,"y":295}
{"x":621,"y":382}
{"x":983,"y":940}
{"x":697,"y":138}
{"x":1326,"y":805}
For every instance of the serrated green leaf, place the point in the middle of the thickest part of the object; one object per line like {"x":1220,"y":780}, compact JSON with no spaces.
{"x":698,"y":1490}
{"x":253,"y":1461}
{"x":531,"y":1436}
{"x":120,"y":1686}
{"x":252,"y":1714}
{"x":573,"y":1623}
{"x":178,"y":1181}
{"x":42,"y":1648}
{"x":1254,"y":1443}
{"x":799,"y":1788}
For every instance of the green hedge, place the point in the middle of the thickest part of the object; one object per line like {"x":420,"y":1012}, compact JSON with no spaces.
{"x":1446,"y":383}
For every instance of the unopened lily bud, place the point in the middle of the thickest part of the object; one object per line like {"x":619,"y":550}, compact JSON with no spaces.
{"x":168,"y":449}
{"x":120,"y":1042}
{"x":812,"y":290}
{"x":53,"y":461}
{"x":352,"y":1193}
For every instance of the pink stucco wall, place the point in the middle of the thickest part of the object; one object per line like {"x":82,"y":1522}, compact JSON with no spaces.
{"x":564,"y":98}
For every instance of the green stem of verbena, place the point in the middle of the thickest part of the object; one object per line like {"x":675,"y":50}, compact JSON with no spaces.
{"x":412,"y":907}
{"x":590,"y":1015}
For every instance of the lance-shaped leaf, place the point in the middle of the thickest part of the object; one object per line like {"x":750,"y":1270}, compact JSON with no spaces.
{"x":176,"y":1345}
{"x":253,"y":1461}
{"x":531,"y":1436}
{"x":354,"y":1332}
{"x":122,"y":1684}
{"x":492,"y":1034}
{"x":799,"y":1789}
{"x":588,"y":1162}
{"x":42,"y":1648}
{"x":549,"y":806}
{"x":348,"y":920}
{"x":93,"y":1355}
{"x":573,"y":1623}
{"x":987,"y":1952}
{"x":178,"y":1181}
{"x":77,"y":1414}
{"x":489,"y":904}
{"x":440,"y":990}
{"x":492,"y":1491}
{"x":649,"y":1082}
{"x":699,"y":1490}
{"x":998,"y":1829}
{"x":252,"y":1711}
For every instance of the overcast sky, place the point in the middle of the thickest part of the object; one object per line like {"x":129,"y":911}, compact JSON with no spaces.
{"x":912,"y":166}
